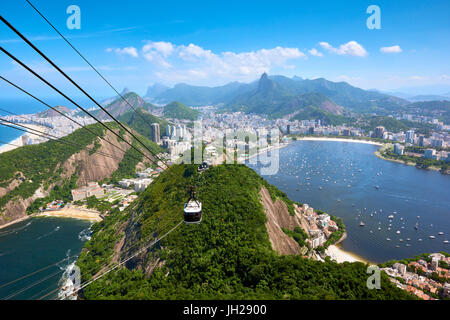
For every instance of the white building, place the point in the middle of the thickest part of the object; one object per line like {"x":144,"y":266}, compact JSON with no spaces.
{"x":142,"y":184}
{"x":398,"y":149}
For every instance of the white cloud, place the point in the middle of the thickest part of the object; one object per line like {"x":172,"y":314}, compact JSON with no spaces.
{"x":192,"y":61}
{"x":314,"y":52}
{"x":393,"y":49}
{"x":161,"y":47}
{"x":131,"y":51}
{"x":416,"y":77}
{"x":351,"y":48}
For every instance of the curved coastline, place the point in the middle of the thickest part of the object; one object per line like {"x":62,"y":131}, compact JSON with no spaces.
{"x":17,"y":143}
{"x":340,"y":140}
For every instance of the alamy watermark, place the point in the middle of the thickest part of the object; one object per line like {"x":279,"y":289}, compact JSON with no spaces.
{"x":258,"y":147}
{"x":74,"y":20}
{"x":374,"y":20}
{"x":374,"y":280}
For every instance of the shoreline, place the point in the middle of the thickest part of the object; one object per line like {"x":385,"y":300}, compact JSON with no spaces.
{"x":412,"y":164}
{"x":15,"y":221}
{"x":339,"y":140}
{"x":71,"y":213}
{"x":18,"y":141}
{"x":271,"y":148}
{"x":74,"y":213}
{"x":340,"y":255}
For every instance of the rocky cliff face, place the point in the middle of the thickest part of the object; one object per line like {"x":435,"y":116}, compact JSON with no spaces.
{"x":278,"y":217}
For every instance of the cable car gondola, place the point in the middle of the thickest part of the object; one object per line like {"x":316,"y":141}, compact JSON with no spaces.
{"x":203,"y":167}
{"x":192,"y":209}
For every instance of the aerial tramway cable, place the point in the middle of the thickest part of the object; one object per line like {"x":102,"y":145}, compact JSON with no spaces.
{"x":58,"y":138}
{"x":73,"y":102}
{"x":92,"y":99}
{"x":127,"y":259}
{"x":73,"y":82}
{"x":61,"y":113}
{"x":93,"y":68}
{"x":26,"y":129}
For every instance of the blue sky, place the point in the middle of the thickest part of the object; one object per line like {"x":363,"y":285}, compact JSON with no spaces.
{"x":138,"y":43}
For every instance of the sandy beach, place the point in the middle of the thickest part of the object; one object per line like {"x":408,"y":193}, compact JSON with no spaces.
{"x":340,"y":255}
{"x":73,"y":212}
{"x":14,"y":144}
{"x":340,"y":139}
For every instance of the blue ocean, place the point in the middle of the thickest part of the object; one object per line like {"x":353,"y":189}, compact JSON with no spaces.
{"x":25,"y":105}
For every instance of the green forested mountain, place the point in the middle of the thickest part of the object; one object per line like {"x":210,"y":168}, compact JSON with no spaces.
{"x":177,"y":110}
{"x":140,"y":121}
{"x":227,"y":256}
{"x":312,"y":112}
{"x":394,"y":125}
{"x":439,"y":109}
{"x":272,"y":93}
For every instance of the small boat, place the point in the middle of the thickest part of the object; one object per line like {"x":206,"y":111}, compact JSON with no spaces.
{"x":420,"y":240}
{"x":362,"y":224}
{"x":401,"y":240}
{"x":416,"y":226}
{"x":408,"y":245}
{"x":432,"y":237}
{"x":398,"y":232}
{"x":408,"y":239}
{"x":445,"y":241}
{"x":388,"y":239}
{"x":377,"y":187}
{"x":440,"y":233}
{"x":391,"y":217}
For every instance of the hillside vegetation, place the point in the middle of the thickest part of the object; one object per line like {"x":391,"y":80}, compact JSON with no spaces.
{"x":177,"y":110}
{"x":141,"y":121}
{"x":227,"y":256}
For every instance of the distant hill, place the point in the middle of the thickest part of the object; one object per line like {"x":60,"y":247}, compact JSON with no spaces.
{"x":428,"y":97}
{"x":281,"y":90}
{"x":154,"y":91}
{"x":436,"y":109}
{"x":177,"y":110}
{"x":315,"y":113}
{"x":119,"y":107}
{"x":140,"y":121}
{"x":200,"y":95}
{"x":275,"y":97}
{"x":273,"y":93}
{"x":50,"y":113}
